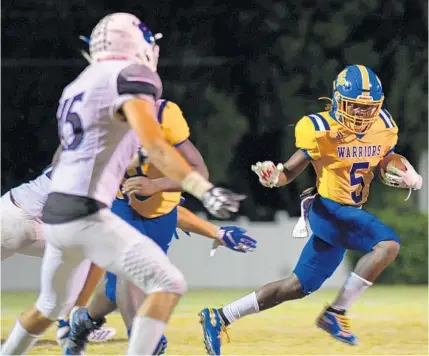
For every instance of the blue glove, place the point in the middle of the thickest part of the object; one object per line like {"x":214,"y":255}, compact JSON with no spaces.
{"x":235,"y":238}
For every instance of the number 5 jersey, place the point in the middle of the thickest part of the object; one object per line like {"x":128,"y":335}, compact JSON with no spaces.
{"x":344,"y":162}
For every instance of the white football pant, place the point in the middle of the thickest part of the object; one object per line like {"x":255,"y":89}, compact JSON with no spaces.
{"x":20,"y":232}
{"x":110,"y":243}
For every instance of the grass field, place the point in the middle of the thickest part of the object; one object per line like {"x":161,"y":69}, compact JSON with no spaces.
{"x":388,"y":321}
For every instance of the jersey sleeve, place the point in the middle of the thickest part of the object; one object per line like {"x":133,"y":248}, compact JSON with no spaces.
{"x":174,"y":125}
{"x":391,"y":132}
{"x":305,"y":138}
{"x":392,"y":140}
{"x":137,"y":80}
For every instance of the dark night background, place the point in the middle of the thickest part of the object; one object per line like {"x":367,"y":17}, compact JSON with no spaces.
{"x":242,"y":71}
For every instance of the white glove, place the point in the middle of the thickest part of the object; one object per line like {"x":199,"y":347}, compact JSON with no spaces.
{"x":221,"y":202}
{"x":399,"y":179}
{"x":268,"y":173}
{"x":409,"y":179}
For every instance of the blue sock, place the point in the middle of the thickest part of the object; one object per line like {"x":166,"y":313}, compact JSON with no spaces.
{"x":129,"y":332}
{"x":62,"y":323}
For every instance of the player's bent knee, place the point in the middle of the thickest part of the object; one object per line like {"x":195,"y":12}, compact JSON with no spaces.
{"x":51,"y":310}
{"x":295,"y":287}
{"x":53,"y":306}
{"x":152,"y":273}
{"x":310,"y":281}
{"x":173,"y":281}
{"x":390,"y":248}
{"x":13,"y":241}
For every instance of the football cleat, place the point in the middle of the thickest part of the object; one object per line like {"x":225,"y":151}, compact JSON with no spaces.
{"x":81,"y":325}
{"x":213,"y":328}
{"x":336,"y":325}
{"x":162,"y":346}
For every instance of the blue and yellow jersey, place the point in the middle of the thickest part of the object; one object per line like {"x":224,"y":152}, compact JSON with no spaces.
{"x":344,"y":162}
{"x":176,"y":131}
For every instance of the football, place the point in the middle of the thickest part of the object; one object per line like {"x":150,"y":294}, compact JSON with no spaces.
{"x":392,"y":160}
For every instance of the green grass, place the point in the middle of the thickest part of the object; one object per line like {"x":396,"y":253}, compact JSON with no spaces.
{"x":387,"y":320}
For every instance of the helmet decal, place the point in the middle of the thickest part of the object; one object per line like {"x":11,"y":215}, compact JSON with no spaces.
{"x":342,"y":81}
{"x":147,"y":34}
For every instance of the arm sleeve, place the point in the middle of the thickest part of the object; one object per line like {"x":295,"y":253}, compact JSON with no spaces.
{"x":174,"y":125}
{"x":305,"y":138}
{"x":136,"y":81}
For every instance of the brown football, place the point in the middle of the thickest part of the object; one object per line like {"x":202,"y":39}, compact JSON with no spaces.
{"x":394,"y":160}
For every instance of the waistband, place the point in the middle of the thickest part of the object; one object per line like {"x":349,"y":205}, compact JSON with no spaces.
{"x":333,"y":203}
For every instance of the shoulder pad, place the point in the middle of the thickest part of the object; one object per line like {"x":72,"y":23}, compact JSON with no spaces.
{"x":139,"y":79}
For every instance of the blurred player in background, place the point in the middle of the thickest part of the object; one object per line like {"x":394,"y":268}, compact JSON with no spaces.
{"x":344,"y":145}
{"x":22,"y":228}
{"x":104,"y":115}
{"x":148,"y":201}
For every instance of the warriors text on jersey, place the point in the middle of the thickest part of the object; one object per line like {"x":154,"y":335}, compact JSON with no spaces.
{"x":97,"y":147}
{"x":176,"y":131}
{"x":344,"y":162}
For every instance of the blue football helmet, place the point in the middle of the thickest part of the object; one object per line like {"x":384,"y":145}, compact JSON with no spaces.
{"x":357,"y":98}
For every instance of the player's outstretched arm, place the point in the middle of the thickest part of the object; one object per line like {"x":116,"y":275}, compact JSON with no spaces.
{"x":189,"y":222}
{"x":271,"y":175}
{"x":232,"y":237}
{"x":139,"y":113}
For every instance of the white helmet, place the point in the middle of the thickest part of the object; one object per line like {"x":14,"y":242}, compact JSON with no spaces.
{"x":121,"y":35}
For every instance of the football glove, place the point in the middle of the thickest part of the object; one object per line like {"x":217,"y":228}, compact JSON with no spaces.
{"x":268,"y":173}
{"x":409,"y":179}
{"x":221,"y":202}
{"x":234,"y":238}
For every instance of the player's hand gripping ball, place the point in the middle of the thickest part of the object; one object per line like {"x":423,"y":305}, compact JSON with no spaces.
{"x":395,"y":171}
{"x":268,"y":173}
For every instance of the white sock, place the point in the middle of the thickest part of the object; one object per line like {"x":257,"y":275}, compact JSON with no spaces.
{"x":351,"y":290}
{"x":241,"y":307}
{"x":19,"y":341}
{"x":145,"y":335}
